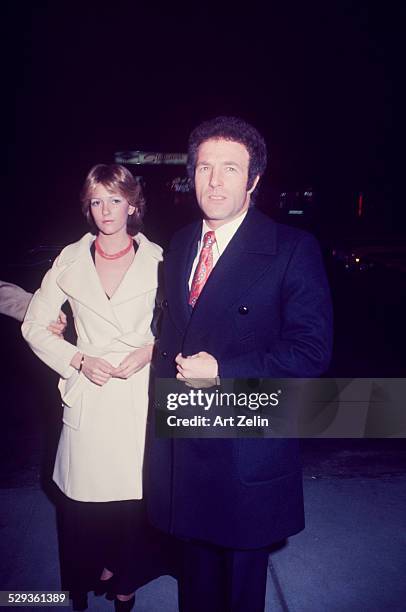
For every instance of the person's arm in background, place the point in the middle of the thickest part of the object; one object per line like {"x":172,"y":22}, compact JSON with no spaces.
{"x":14,"y":301}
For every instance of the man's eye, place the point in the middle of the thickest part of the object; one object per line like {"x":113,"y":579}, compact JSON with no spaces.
{"x":230,"y":169}
{"x":203,"y":168}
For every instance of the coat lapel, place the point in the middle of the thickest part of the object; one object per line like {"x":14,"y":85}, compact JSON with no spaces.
{"x":142,"y":275}
{"x":178,"y":264}
{"x":246,"y":259}
{"x":79,"y":281}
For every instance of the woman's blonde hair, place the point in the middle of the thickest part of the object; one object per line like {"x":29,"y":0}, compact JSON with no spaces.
{"x":117,"y":179}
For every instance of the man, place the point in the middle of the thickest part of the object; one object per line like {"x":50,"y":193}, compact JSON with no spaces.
{"x":245,"y":297}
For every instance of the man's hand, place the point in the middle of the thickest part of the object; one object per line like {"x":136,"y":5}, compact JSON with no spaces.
{"x":58,"y":327}
{"x":202,"y":366}
{"x":134,"y":362}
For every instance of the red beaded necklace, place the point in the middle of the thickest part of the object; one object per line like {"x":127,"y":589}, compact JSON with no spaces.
{"x":113,"y":255}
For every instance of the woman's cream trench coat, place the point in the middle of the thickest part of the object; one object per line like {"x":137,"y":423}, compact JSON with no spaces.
{"x":100,"y":452}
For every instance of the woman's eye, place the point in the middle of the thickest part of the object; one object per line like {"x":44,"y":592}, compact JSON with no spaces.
{"x":94,"y":203}
{"x":116,"y":201}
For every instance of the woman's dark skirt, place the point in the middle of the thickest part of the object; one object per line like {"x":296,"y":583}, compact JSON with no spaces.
{"x":112,"y":535}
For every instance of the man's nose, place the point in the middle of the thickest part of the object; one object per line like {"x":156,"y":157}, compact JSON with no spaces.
{"x":215,"y":177}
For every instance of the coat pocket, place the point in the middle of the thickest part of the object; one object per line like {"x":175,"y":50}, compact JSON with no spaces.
{"x":71,"y":390}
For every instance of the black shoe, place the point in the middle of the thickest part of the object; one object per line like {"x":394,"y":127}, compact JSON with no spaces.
{"x":124,"y":606}
{"x":105,"y":587}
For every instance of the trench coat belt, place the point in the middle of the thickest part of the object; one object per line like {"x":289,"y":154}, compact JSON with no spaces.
{"x":123,"y":344}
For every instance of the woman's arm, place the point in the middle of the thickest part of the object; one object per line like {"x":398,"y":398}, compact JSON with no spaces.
{"x":51,"y":348}
{"x":44,"y":308}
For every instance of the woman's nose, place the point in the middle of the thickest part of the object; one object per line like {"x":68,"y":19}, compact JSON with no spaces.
{"x":106,"y":208}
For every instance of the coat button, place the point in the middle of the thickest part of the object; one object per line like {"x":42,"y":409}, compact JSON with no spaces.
{"x":164,"y":354}
{"x":243,"y":310}
{"x":165,"y":304}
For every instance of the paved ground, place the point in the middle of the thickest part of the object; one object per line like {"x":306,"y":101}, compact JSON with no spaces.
{"x":351,"y":557}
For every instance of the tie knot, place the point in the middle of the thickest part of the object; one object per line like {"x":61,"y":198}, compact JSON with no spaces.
{"x":209,"y":239}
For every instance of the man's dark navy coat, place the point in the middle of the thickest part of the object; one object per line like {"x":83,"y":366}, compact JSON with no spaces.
{"x":265,"y":312}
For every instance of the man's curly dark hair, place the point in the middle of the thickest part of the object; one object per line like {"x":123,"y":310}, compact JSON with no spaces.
{"x":236,"y":130}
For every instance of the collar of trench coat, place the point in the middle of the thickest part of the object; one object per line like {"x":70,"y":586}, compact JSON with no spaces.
{"x":79,"y":280}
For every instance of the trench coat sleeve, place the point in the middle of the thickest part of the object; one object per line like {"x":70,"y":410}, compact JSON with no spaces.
{"x":43,"y":309}
{"x":305,"y":342}
{"x":13,"y":300}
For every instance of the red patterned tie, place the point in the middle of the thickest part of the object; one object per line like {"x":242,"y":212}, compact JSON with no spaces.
{"x":203,"y":268}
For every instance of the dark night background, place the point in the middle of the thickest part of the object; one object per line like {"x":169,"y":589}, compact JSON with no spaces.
{"x":316,"y":78}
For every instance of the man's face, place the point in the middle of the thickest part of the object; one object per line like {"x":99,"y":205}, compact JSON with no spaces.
{"x":221,"y":177}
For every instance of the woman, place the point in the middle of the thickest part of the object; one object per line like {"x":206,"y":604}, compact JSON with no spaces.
{"x":110,"y":282}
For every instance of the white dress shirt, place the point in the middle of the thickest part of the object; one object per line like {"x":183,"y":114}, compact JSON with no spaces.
{"x":223,"y":234}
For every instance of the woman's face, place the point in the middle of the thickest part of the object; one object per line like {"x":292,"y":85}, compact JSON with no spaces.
{"x":110,"y":210}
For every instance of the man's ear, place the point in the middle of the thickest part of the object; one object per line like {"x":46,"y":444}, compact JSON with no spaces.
{"x":254,"y":184}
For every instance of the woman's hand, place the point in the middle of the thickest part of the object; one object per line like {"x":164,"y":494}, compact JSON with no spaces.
{"x":97,"y":370}
{"x":134,"y":362}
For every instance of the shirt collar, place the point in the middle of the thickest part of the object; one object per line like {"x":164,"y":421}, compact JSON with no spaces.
{"x":225,"y":232}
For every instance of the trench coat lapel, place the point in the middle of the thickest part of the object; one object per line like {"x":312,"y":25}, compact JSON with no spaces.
{"x":141,"y":277}
{"x":79,"y":281}
{"x":246,"y":259}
